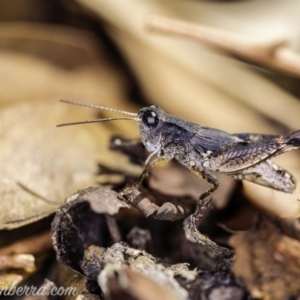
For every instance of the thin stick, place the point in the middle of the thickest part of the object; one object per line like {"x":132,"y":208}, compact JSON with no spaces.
{"x":271,"y":53}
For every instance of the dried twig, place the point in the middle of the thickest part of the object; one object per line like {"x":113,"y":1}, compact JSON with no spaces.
{"x":272,"y":53}
{"x":37,"y":244}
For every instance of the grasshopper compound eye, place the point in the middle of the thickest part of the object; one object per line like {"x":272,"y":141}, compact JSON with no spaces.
{"x":150,"y":119}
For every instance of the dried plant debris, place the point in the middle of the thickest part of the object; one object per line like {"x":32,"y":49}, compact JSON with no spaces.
{"x":118,"y":256}
{"x":171,"y":209}
{"x":91,"y":220}
{"x":82,"y":221}
{"x":193,"y":284}
{"x":17,"y":261}
{"x":174,"y":209}
{"x":220,"y":284}
{"x":36,"y":244}
{"x":86,"y":234}
{"x":40,"y":63}
{"x":135,"y":286}
{"x":80,"y":285}
{"x":23,"y":258}
{"x":267,"y":258}
{"x":38,"y":170}
{"x":273,"y":53}
{"x":9,"y":280}
{"x":140,"y":249}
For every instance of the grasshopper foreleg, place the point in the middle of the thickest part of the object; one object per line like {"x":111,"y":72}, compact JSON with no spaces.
{"x":151,"y":163}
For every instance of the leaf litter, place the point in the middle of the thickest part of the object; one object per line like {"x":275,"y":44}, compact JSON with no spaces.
{"x":42,"y":63}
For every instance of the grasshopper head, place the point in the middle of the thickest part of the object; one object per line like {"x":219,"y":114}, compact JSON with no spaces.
{"x":150,"y":121}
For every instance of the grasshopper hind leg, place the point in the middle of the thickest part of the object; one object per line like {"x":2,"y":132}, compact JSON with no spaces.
{"x":210,"y":178}
{"x":190,"y":223}
{"x":270,"y":175}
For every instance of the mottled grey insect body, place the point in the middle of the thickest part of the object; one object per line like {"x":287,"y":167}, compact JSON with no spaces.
{"x":204,"y":150}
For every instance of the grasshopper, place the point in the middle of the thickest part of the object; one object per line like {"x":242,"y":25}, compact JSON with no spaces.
{"x":205,"y":150}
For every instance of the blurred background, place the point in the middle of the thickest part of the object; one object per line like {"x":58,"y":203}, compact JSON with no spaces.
{"x":232,"y":65}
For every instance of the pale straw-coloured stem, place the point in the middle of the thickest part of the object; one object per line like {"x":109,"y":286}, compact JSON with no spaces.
{"x":271,"y":53}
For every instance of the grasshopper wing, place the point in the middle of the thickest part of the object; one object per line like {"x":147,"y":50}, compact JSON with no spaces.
{"x":254,"y":149}
{"x":255,"y":137}
{"x":209,"y":140}
{"x":246,"y":153}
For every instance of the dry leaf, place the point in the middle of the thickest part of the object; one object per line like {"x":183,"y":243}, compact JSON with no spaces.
{"x":48,"y":62}
{"x":267,"y":259}
{"x":41,"y":164}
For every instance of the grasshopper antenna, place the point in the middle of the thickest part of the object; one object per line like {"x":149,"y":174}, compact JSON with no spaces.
{"x":98,"y":107}
{"x":96,"y":120}
{"x":134,"y":118}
